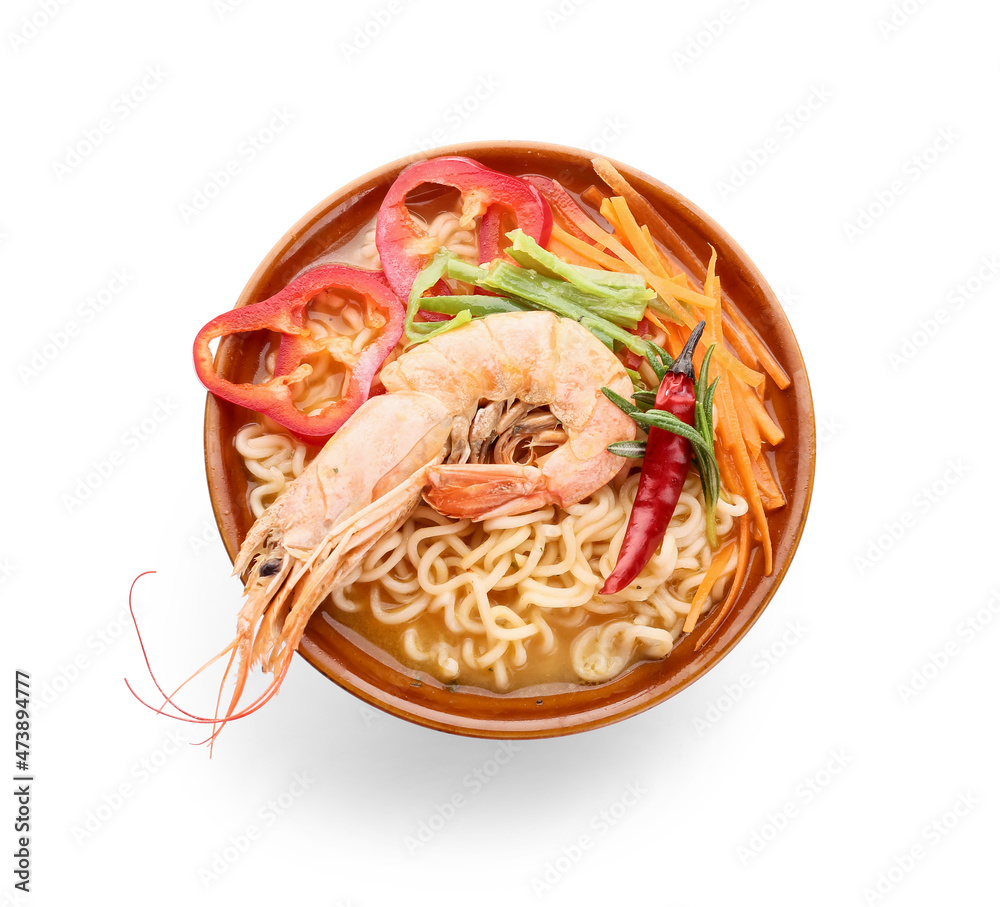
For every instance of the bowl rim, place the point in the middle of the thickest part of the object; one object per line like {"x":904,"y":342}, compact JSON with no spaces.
{"x":394,"y":702}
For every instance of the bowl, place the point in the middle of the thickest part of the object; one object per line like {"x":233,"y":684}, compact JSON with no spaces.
{"x":375,"y":677}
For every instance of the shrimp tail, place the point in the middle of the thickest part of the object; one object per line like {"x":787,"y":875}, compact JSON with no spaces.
{"x":482,"y":492}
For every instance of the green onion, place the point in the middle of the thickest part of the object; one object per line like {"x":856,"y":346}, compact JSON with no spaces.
{"x":527,"y":253}
{"x":479,"y":306}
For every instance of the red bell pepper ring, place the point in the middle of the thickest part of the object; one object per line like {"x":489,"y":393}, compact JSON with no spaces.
{"x":286,"y":313}
{"x":404,"y":246}
{"x":563,"y":204}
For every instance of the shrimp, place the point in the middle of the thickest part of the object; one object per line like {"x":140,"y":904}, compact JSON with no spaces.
{"x":371,"y":474}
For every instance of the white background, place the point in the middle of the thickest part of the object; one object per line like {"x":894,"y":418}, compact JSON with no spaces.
{"x":872,"y":213}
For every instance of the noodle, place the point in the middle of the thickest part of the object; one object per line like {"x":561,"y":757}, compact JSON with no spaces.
{"x":479,"y":598}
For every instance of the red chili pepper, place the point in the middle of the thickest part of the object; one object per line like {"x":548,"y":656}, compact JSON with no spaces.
{"x":405,"y":248}
{"x":664,"y":469}
{"x":286,"y":312}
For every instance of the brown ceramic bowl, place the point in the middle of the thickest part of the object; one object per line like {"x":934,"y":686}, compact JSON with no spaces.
{"x":374,"y":676}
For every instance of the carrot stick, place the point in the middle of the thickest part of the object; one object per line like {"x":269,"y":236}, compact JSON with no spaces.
{"x":738,"y":342}
{"x":585,"y":249}
{"x":768,"y":427}
{"x":669,"y":267}
{"x":666,"y":288}
{"x":649,"y":215}
{"x":567,"y":254}
{"x":593,"y":196}
{"x":770,"y":493}
{"x":748,"y":427}
{"x":763,"y":354}
{"x":719,"y":563}
{"x":727,"y":414}
{"x":609,"y":214}
{"x":727,"y":469}
{"x":637,"y":241}
{"x":735,"y":586}
{"x":672,"y":240}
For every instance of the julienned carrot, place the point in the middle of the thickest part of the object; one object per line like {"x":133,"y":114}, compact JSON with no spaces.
{"x":593,"y":196}
{"x":666,"y":288}
{"x":730,"y":430}
{"x":735,"y":585}
{"x":719,"y":563}
{"x":646,"y":253}
{"x":768,"y":427}
{"x":611,"y":216}
{"x":673,"y":268}
{"x":585,"y":249}
{"x":770,"y":493}
{"x":672,"y":240}
{"x":763,"y":354}
{"x":650,"y":216}
{"x":669,"y":267}
{"x":738,"y":342}
{"x":727,"y":467}
{"x":727,"y":414}
{"x":748,"y":428}
{"x":567,"y":254}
